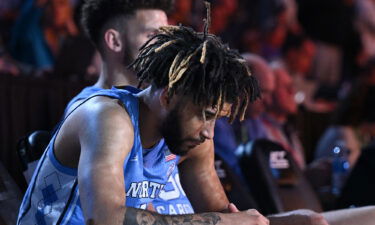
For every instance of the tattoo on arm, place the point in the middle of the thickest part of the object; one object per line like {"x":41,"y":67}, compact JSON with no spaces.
{"x":143,"y":217}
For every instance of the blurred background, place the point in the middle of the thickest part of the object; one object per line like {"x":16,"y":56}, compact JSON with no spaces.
{"x":326,"y":46}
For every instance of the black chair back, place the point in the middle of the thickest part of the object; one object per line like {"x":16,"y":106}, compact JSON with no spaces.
{"x":234,"y":188}
{"x":274,"y":178}
{"x":31,"y":147}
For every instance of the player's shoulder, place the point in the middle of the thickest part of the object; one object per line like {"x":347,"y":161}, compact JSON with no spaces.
{"x":104,"y":110}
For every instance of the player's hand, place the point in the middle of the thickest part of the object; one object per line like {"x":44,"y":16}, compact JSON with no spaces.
{"x":301,"y":217}
{"x":232,"y":208}
{"x":248,"y":217}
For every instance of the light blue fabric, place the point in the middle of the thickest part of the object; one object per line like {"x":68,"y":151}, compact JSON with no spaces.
{"x":173,"y":199}
{"x":151,"y":175}
{"x":53,"y":194}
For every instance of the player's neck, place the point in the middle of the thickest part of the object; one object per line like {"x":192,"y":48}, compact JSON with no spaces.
{"x":115,"y":75}
{"x":149,"y":118}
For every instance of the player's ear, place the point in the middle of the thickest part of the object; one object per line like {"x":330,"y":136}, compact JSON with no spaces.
{"x":163,"y":98}
{"x":112,"y":40}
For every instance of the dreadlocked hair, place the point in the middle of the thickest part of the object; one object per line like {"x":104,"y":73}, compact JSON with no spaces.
{"x":197,"y":65}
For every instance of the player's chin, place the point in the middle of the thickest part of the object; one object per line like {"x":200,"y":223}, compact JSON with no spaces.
{"x":183,"y":149}
{"x":189,"y":147}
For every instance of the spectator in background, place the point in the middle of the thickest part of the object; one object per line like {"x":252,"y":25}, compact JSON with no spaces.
{"x":252,"y":123}
{"x":274,"y":29}
{"x":222,"y":12}
{"x":275,"y":120}
{"x":331,"y":25}
{"x":352,"y":129}
{"x":262,"y":26}
{"x":265,"y":118}
{"x":37,"y":33}
{"x":228,"y":137}
{"x":283,"y":12}
{"x":288,"y":16}
{"x":365,"y":22}
{"x":28,"y":44}
{"x":273,"y":38}
{"x":353,"y":123}
{"x":60,"y":26}
{"x":298,"y":53}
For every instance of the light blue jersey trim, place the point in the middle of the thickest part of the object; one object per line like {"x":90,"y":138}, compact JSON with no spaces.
{"x":61,"y":168}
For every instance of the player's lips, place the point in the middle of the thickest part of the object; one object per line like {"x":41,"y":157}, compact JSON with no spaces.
{"x":195,"y":143}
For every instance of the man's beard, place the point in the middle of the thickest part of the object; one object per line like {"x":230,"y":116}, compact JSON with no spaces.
{"x":171,"y":132}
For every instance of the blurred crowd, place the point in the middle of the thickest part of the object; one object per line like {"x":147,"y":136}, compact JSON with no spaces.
{"x":324,"y":45}
{"x":43,"y":38}
{"x":309,"y":55}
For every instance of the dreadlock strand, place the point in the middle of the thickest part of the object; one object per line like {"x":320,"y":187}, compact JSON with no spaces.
{"x":203,"y":80}
{"x":152,"y":64}
{"x":242,"y":61}
{"x":220,"y":66}
{"x":188,"y":82}
{"x":174,"y":64}
{"x":243,"y":107}
{"x":208,"y":19}
{"x":179,"y":72}
{"x":178,"y":76}
{"x":255,"y":90}
{"x":234,"y":113}
{"x":157,"y":36}
{"x":204,"y":52}
{"x":166,"y":44}
{"x":219,"y":102}
{"x":247,"y":68}
{"x":170,"y":29}
{"x":224,"y":98}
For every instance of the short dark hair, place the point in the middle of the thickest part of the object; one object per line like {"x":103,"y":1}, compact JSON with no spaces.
{"x":96,"y":14}
{"x":197,"y":65}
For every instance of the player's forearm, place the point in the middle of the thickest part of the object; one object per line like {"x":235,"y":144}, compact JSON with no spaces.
{"x":138,"y":216}
{"x":360,"y":215}
{"x":300,"y":217}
